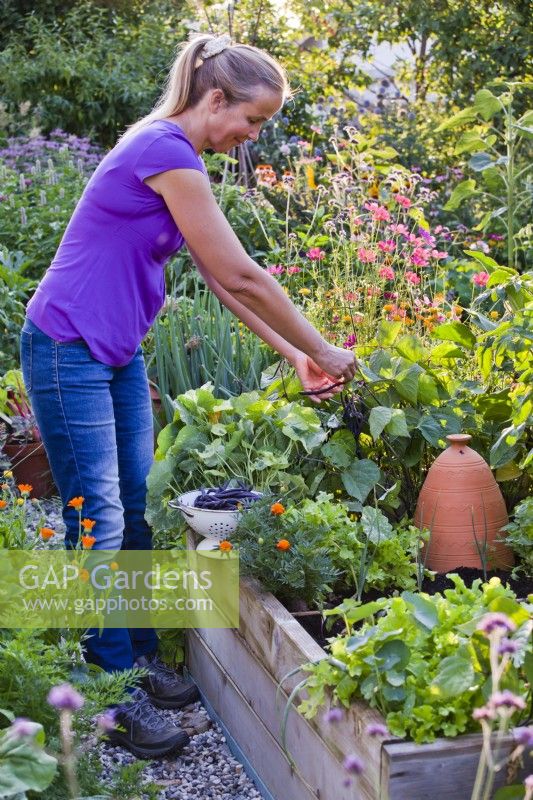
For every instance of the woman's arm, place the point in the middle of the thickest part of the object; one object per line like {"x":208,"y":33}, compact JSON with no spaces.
{"x":191,"y":202}
{"x":251,"y":320}
{"x":310,"y":375}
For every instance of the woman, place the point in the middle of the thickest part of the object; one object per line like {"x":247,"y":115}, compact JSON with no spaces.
{"x":80,"y":345}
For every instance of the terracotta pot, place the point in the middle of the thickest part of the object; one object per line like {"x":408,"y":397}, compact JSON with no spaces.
{"x":30,"y":465}
{"x":460,"y":497}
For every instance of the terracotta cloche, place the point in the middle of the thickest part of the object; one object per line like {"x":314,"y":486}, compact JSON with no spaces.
{"x":460,"y":497}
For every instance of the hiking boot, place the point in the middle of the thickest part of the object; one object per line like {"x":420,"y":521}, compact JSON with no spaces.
{"x":165,"y":688}
{"x":146,"y":734}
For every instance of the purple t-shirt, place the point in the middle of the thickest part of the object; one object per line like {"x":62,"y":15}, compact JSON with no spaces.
{"x":106,"y":282}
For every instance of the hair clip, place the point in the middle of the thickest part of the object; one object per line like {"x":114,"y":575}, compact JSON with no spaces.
{"x":215,"y":46}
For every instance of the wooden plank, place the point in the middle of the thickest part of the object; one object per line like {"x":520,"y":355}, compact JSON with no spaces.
{"x":259,"y":746}
{"x":414,"y":771}
{"x":315,"y":762}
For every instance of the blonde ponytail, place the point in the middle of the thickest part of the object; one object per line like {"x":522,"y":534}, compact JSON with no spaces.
{"x":209,"y":62}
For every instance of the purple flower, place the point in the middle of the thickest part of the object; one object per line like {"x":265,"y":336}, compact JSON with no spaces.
{"x":377,"y":729}
{"x":334,"y":715}
{"x":494,"y":621}
{"x":65,"y":698}
{"x":23,"y":727}
{"x":507,"y":699}
{"x":524,"y":736}
{"x":106,"y":722}
{"x":507,"y":646}
{"x":483,"y":713}
{"x":353,"y":764}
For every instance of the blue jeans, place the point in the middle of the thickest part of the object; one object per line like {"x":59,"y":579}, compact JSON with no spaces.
{"x":97,"y":430}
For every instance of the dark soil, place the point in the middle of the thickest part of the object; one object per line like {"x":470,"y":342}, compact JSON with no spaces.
{"x":321,"y":629}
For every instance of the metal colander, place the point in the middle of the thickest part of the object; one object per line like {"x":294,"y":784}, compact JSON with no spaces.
{"x":215,"y":524}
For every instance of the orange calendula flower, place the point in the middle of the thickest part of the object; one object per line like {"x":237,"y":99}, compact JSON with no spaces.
{"x":84,"y":575}
{"x":113,"y":565}
{"x":283,"y":544}
{"x":88,"y":524}
{"x":3,"y":503}
{"x":225,"y":546}
{"x":277,"y":509}
{"x":46,"y":533}
{"x":25,"y":488}
{"x":76,"y":503}
{"x":88,"y":541}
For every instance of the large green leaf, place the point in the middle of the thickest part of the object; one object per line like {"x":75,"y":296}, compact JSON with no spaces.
{"x":455,"y":675}
{"x":424,"y":611}
{"x":411,"y":347}
{"x":388,"y":332}
{"x":394,"y":654}
{"x":506,"y":447}
{"x":375,"y":524}
{"x":483,"y":259}
{"x":469,"y":142}
{"x":487,"y":104}
{"x":461,"y":192}
{"x":24,"y":766}
{"x":360,"y":477}
{"x":406,"y":383}
{"x":480,"y":161}
{"x":379,"y":417}
{"x":340,"y":448}
{"x":455,"y":332}
{"x":462,"y":117}
{"x":397,"y":425}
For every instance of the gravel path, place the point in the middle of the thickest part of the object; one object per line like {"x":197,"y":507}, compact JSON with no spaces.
{"x":205,"y":769}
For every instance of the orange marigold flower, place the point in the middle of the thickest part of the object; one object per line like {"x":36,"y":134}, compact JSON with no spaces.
{"x":277,"y":509}
{"x":84,"y":575}
{"x":46,"y":533}
{"x":88,"y":541}
{"x":114,"y":565}
{"x":88,"y":524}
{"x":3,"y":503}
{"x":225,"y":546}
{"x":283,"y":544}
{"x":76,"y":503}
{"x":25,"y":488}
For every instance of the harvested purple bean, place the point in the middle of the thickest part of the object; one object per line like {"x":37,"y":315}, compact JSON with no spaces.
{"x":226,"y":498}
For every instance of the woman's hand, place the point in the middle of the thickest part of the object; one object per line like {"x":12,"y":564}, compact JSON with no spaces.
{"x":337,"y":361}
{"x":314,"y":377}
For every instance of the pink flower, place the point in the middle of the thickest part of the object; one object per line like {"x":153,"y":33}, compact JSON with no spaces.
{"x":351,"y":297}
{"x":480,"y":278}
{"x":350,"y":342}
{"x":316,"y":254}
{"x":366,"y":256}
{"x":400,"y":228}
{"x":378,"y":212}
{"x":412,"y":277}
{"x":387,"y":246}
{"x":293,"y":270}
{"x":390,"y":295}
{"x":420,"y":257}
{"x":275,"y":269}
{"x":402,"y":200}
{"x":387,"y":273}
{"x":438,"y":254}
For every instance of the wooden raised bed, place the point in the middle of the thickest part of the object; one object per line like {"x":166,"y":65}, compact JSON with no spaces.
{"x":238,"y":672}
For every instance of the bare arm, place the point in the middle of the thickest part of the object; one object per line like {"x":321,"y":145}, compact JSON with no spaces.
{"x":250,"y":319}
{"x":208,"y":234}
